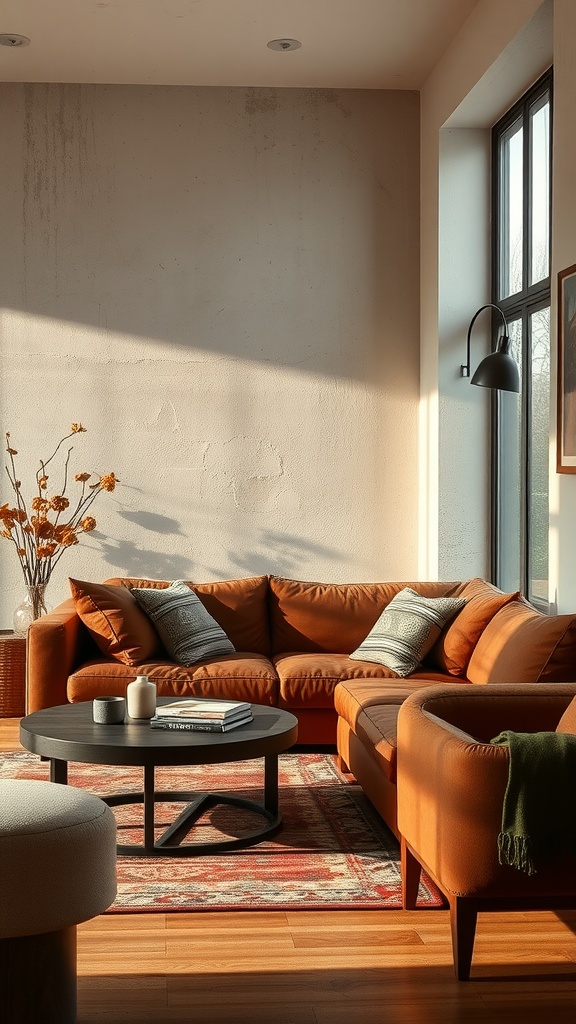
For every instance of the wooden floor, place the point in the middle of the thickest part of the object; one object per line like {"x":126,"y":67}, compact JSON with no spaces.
{"x":339,"y":967}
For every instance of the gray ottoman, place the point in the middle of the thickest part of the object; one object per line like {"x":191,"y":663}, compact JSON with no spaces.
{"x":57,"y":868}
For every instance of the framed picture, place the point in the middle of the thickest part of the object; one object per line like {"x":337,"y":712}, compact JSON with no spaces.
{"x":566,"y":444}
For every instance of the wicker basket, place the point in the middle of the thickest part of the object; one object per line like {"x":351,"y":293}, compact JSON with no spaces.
{"x":12,"y":675}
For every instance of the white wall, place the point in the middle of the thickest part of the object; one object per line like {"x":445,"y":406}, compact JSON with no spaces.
{"x":222,"y":284}
{"x":464,"y":412}
{"x":500,"y":51}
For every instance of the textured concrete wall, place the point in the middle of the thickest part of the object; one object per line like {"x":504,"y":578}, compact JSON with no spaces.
{"x":222,"y":284}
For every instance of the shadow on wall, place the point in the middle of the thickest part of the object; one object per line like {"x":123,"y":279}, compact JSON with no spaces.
{"x":135,"y":560}
{"x":153,"y":521}
{"x":273,"y":553}
{"x":281,"y":554}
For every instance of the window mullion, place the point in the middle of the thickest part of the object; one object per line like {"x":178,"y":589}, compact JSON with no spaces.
{"x":526,"y":397}
{"x":527,"y":196}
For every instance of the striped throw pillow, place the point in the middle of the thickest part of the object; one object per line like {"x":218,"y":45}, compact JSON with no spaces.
{"x":406,"y":630}
{"x":187,"y":630}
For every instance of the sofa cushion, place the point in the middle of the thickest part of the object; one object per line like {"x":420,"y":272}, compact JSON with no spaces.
{"x":455,"y":645}
{"x":308,"y":680}
{"x":236,"y":676}
{"x":331,"y":618}
{"x":377,"y":728}
{"x":115,"y":621}
{"x":370,"y":708}
{"x":522,"y":645}
{"x":372,"y":719}
{"x":352,"y":696}
{"x":240,"y":607}
{"x":568,"y":721}
{"x":189,"y":633}
{"x":406,"y":630}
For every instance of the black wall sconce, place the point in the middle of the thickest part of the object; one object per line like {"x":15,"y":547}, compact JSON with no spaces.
{"x":499,"y":370}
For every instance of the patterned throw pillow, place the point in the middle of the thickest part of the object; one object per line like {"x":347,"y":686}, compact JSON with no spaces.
{"x":406,"y":630}
{"x":187,"y":630}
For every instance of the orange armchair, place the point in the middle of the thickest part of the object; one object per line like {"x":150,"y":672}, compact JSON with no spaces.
{"x":451,"y":785}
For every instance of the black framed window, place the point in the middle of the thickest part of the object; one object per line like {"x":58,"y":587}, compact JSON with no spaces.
{"x":521,"y":218}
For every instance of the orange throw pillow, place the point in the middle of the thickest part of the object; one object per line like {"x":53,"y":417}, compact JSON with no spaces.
{"x":115,"y":621}
{"x":455,"y":645}
{"x":568,"y":721}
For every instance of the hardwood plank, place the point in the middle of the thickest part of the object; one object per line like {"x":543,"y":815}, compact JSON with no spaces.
{"x":352,"y":940}
{"x":9,"y":734}
{"x":330,"y":985}
{"x":124,"y":922}
{"x":348,"y":919}
{"x":142,"y":946}
{"x":384,"y":1012}
{"x":123,"y":993}
{"x":221,"y":920}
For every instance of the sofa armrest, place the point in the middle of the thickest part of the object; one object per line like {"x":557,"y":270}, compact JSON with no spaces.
{"x":484,"y":711}
{"x":53,"y":649}
{"x":451,"y":785}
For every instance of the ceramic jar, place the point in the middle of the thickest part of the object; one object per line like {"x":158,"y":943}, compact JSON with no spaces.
{"x":141,"y":698}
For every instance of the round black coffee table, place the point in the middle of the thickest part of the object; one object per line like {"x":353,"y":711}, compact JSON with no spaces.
{"x":67,"y":733}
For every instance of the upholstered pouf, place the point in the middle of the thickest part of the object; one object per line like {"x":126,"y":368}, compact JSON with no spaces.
{"x":57,"y":868}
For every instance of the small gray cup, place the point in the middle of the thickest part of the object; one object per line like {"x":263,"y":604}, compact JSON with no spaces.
{"x":108,"y":710}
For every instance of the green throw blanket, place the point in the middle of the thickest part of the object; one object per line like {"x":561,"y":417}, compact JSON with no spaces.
{"x":539,"y":812}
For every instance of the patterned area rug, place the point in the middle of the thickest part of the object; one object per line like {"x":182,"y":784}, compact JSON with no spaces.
{"x":332,"y":852}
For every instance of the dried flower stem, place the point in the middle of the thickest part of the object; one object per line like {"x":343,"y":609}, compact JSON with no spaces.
{"x":39,"y":540}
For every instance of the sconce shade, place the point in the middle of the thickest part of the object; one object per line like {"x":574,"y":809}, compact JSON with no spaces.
{"x":499,"y":370}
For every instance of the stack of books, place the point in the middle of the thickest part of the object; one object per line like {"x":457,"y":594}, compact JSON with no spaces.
{"x":202,"y":715}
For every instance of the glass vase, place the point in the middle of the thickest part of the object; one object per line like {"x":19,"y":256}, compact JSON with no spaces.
{"x":32,"y":607}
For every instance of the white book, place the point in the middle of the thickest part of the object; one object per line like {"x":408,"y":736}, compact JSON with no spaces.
{"x":193,"y":707}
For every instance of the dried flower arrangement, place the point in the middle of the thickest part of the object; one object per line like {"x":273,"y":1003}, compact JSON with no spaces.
{"x":43,"y":528}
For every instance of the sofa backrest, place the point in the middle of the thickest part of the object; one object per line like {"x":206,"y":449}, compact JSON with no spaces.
{"x":331,"y":618}
{"x":522,"y":645}
{"x":240,"y":607}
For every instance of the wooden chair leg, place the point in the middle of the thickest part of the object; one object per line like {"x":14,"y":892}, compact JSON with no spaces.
{"x":463,"y":916}
{"x":411,"y":870}
{"x":342,"y":766}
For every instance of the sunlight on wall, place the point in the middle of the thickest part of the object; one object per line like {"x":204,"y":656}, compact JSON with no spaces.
{"x":428,"y":480}
{"x":209,"y":451}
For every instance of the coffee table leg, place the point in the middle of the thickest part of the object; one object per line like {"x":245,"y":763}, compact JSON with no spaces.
{"x":148,"y":807}
{"x":271,"y":783}
{"x":58,"y":771}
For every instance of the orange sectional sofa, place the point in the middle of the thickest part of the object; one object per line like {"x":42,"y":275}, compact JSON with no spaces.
{"x":293,"y":642}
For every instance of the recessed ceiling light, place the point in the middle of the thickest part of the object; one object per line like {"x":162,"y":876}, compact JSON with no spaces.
{"x":13,"y":39}
{"x":284,"y":44}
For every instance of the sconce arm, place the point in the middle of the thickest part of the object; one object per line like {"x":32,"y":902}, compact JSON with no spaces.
{"x":504,"y":343}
